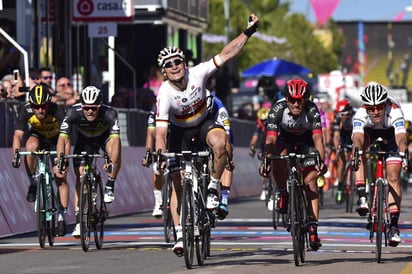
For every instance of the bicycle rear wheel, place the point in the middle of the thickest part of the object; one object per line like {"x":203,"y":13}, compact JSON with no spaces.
{"x":168,"y":226}
{"x":85,"y":202}
{"x":41,"y":211}
{"x":99,"y":213}
{"x":379,"y":220}
{"x":187,"y":223}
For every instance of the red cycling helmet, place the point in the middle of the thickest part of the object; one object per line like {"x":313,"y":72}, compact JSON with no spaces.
{"x":343,"y":106}
{"x":296,"y":88}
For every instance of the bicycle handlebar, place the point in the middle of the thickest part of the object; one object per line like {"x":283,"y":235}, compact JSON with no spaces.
{"x":293,"y":155}
{"x":84,"y":155}
{"x":36,"y":153}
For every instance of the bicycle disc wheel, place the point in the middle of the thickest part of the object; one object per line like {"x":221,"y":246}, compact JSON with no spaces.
{"x":295,"y":224}
{"x":51,"y":217}
{"x":187,"y":223}
{"x":41,"y":212}
{"x":85,"y":212}
{"x":99,"y":214}
{"x":168,"y":227}
{"x":379,"y":222}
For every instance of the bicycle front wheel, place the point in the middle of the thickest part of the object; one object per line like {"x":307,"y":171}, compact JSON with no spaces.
{"x":99,"y":213}
{"x":295,"y":217}
{"x":41,"y":211}
{"x":187,"y":223}
{"x":379,"y":220}
{"x":85,"y":212}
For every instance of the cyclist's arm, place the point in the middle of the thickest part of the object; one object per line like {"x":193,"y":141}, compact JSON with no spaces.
{"x":17,"y":137}
{"x":319,"y":145}
{"x":401,"y":141}
{"x":161,"y":135}
{"x":63,"y":144}
{"x":358,"y":140}
{"x":235,"y":46}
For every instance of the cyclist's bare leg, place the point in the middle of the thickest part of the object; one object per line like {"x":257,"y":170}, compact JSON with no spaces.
{"x":312,"y":195}
{"x":216,"y":139}
{"x":395,"y":189}
{"x":77,"y":171}
{"x":175,"y":201}
{"x":61,"y":183}
{"x":114,"y":150}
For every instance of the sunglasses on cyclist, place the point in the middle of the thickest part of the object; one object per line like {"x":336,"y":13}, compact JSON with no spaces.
{"x":377,"y":107}
{"x":294,"y":100}
{"x":90,"y":107}
{"x":173,"y":62}
{"x":44,"y":106}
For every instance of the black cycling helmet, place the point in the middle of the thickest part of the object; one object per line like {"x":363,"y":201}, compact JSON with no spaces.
{"x":39,"y":95}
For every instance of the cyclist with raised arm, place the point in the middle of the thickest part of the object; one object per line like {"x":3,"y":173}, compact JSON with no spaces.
{"x":182,"y":102}
{"x":295,"y":121}
{"x":97,"y":127}
{"x":381,"y":116}
{"x":40,"y":119}
{"x":342,"y":133}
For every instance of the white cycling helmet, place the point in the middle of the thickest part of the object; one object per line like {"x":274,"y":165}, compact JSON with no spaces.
{"x":374,"y":94}
{"x":91,"y":96}
{"x":167,"y":53}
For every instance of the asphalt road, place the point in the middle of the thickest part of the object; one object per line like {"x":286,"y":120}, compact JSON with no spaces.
{"x":244,"y":243}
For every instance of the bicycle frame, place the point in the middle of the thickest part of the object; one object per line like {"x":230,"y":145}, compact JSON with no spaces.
{"x":47,"y":203}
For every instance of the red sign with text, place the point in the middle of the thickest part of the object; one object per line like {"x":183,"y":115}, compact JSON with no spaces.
{"x":103,"y":10}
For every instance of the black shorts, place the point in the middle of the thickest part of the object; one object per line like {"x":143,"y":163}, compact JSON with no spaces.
{"x":90,"y":145}
{"x":192,"y":138}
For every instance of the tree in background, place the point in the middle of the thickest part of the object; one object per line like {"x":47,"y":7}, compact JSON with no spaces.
{"x":302,"y":45}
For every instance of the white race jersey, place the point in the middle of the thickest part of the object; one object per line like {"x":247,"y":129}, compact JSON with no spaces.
{"x":393,"y":118}
{"x":187,"y":108}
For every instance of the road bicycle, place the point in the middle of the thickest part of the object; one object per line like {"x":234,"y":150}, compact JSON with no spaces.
{"x":47,"y":204}
{"x":378,"y":218}
{"x":92,"y":208}
{"x":297,"y":217}
{"x":196,"y":219}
